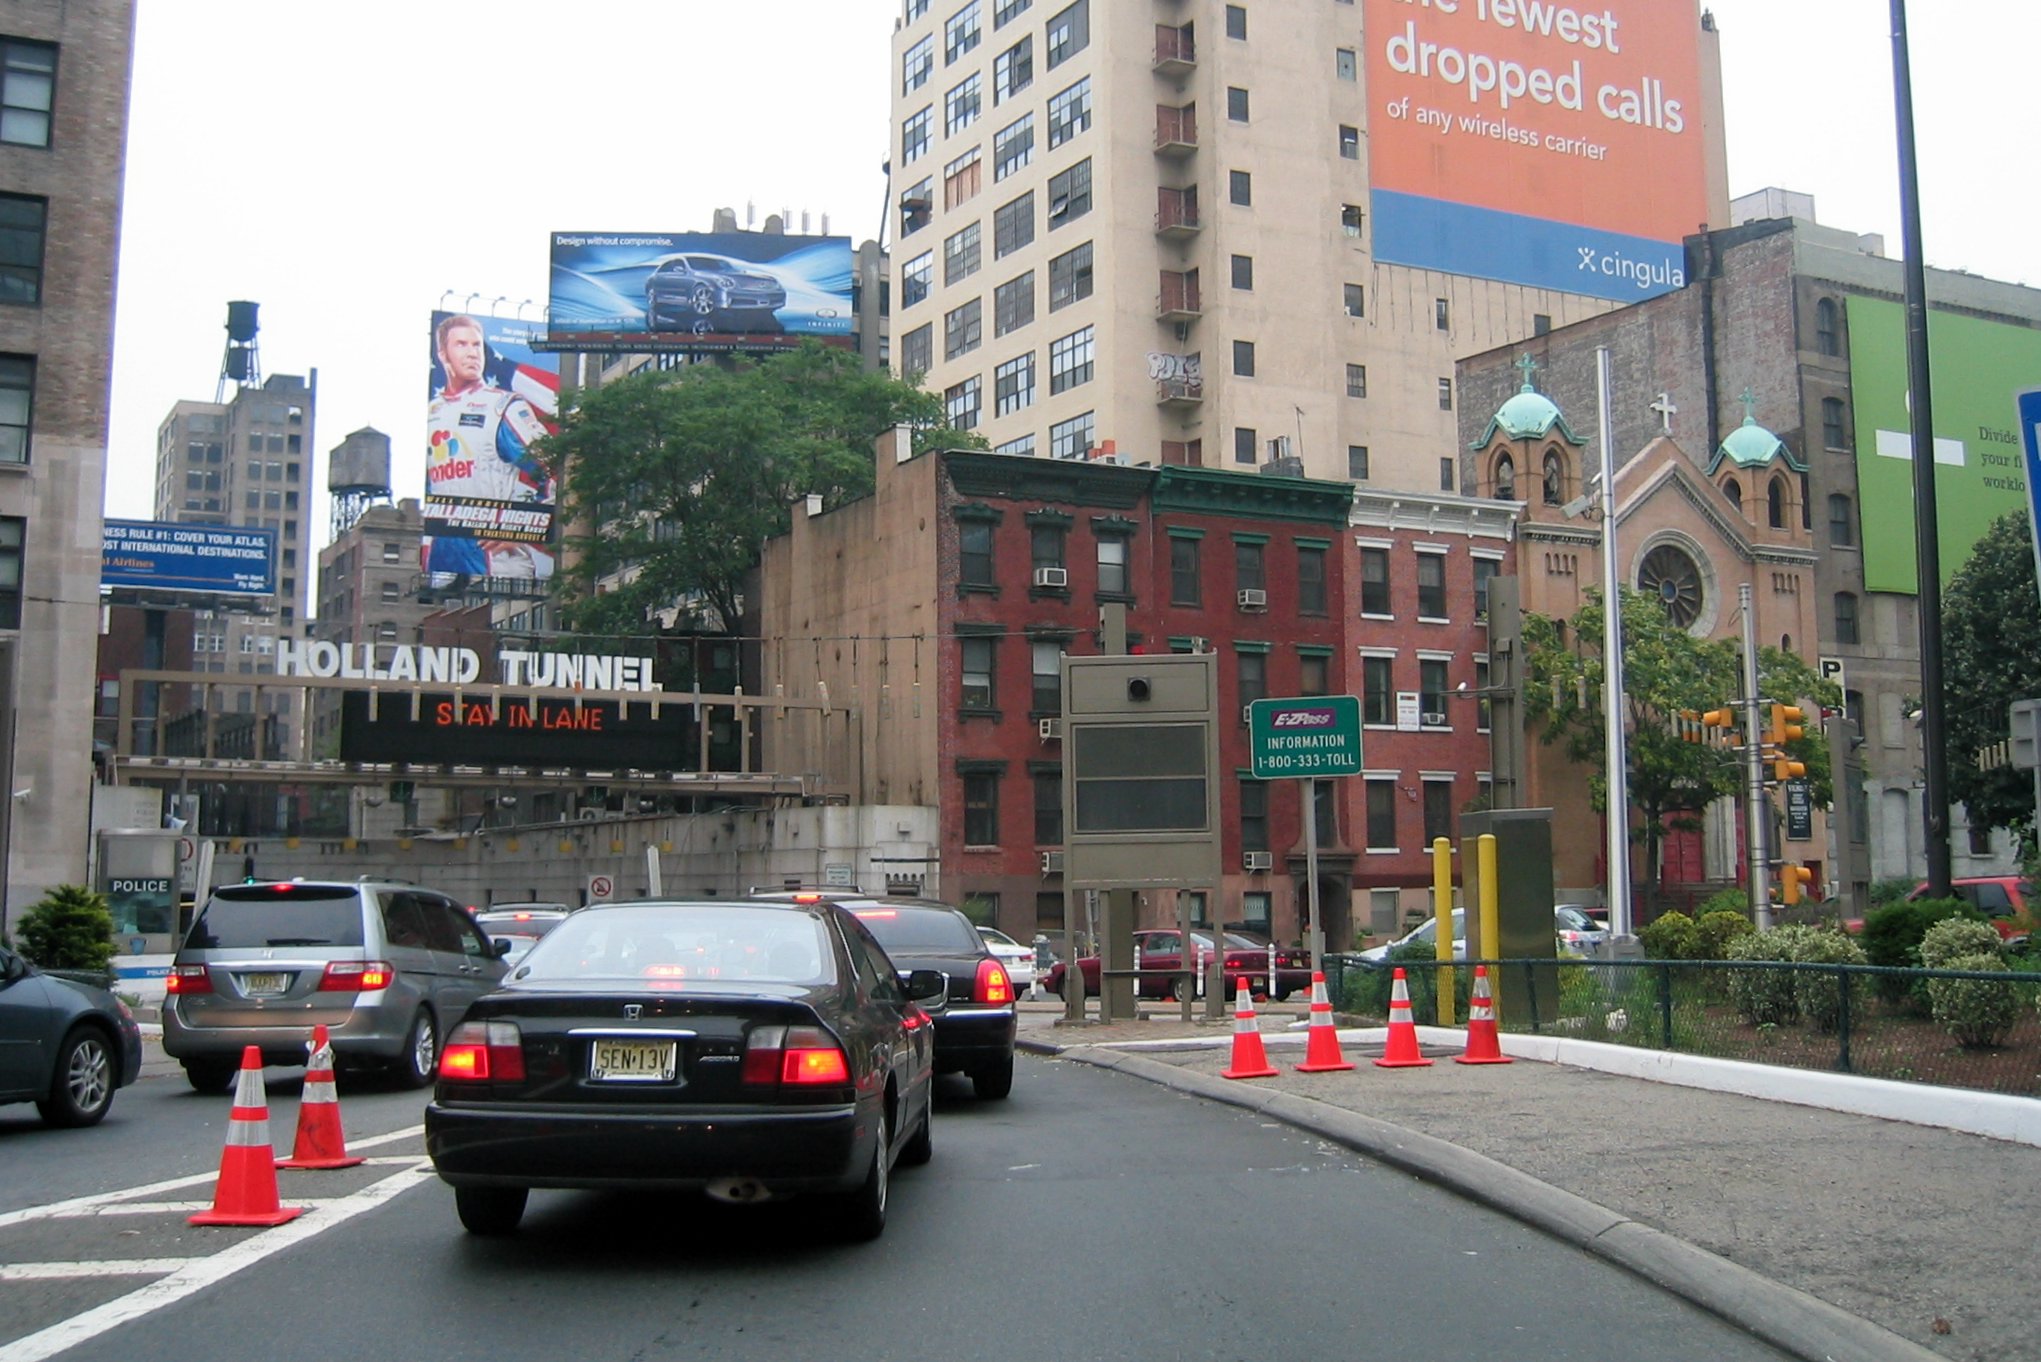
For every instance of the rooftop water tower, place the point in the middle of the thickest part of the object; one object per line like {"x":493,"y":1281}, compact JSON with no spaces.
{"x":242,"y":362}
{"x":358,"y":476}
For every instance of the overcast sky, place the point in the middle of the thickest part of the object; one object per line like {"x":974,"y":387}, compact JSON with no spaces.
{"x":348,"y":166}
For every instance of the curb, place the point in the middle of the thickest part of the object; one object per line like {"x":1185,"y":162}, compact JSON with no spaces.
{"x":1800,"y":1324}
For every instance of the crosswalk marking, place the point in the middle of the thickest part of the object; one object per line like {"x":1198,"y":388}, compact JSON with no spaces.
{"x":119,"y":1267}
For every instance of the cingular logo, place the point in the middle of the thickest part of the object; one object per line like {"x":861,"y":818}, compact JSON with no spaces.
{"x":1303,"y":718}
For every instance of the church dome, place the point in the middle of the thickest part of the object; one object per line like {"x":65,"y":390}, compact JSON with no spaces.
{"x":1750,"y":445}
{"x":1528,"y":415}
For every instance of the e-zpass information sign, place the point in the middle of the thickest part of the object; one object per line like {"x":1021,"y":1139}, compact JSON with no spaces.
{"x":1314,"y":735}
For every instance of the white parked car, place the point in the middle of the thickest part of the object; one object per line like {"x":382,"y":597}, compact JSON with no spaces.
{"x":1576,"y":932}
{"x":1019,"y":960}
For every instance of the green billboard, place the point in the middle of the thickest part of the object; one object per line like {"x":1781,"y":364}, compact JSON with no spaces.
{"x":1978,"y":367}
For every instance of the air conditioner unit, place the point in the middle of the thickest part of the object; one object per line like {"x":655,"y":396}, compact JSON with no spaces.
{"x":1050,"y":729}
{"x":1433,"y":718}
{"x":1052,"y":576}
{"x":1052,"y":863}
{"x":1258,"y":860}
{"x":1246,"y":713}
{"x":1251,"y":598}
{"x":1201,"y":645}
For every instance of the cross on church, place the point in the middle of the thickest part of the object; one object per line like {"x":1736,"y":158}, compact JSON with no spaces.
{"x":1750,"y":403}
{"x":1529,"y":366}
{"x":1665,"y":409}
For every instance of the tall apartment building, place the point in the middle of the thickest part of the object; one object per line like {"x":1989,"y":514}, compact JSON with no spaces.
{"x":63,"y":137}
{"x":248,"y":461}
{"x":1148,"y":222}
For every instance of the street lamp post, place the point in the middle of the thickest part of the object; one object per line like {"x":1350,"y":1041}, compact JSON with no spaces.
{"x":1617,"y":755}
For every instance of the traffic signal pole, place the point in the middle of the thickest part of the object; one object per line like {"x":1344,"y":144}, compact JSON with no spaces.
{"x":1757,"y":823}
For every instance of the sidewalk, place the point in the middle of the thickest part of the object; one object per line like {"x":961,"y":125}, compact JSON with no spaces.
{"x":1831,"y":1233}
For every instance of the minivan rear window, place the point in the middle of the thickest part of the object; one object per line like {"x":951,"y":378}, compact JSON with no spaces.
{"x":250,"y":916}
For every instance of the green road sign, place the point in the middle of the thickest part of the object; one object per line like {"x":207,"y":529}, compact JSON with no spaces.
{"x":1313,"y":735}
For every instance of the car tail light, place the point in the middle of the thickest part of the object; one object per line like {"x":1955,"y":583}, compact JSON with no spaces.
{"x":993,"y":984}
{"x":357,"y":976}
{"x":188,"y":979}
{"x":483,"y":1052}
{"x":793,"y":1056}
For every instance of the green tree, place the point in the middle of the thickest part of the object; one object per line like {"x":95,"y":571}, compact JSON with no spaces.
{"x":69,"y":928}
{"x":674,"y":478}
{"x":1991,"y":636}
{"x":1669,"y":675}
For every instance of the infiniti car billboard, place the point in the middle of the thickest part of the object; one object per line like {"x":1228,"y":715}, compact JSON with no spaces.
{"x":722,"y":290}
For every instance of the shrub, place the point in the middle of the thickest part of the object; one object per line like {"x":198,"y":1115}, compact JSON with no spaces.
{"x":1957,"y":938}
{"x":1891,"y":889}
{"x":1365,"y":992}
{"x":1715,"y":929}
{"x":1764,"y":997}
{"x":70,"y":928}
{"x":1892,"y":937}
{"x":1977,"y":1012}
{"x":1817,"y":993}
{"x":1670,"y":936}
{"x":1728,"y":901}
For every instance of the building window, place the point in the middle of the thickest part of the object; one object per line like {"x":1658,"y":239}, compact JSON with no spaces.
{"x":914,"y":135}
{"x":1431,"y":691}
{"x":1070,"y":277}
{"x":1069,"y":113}
{"x":960,"y":105}
{"x":1350,"y":219}
{"x":1481,"y":710}
{"x":1070,"y":360}
{"x":1314,"y":673}
{"x":1344,"y":65}
{"x":1381,"y":814}
{"x":1112,"y":565}
{"x":1375,"y":581}
{"x":1846,"y":617}
{"x":1827,"y":329}
{"x":1775,"y":504}
{"x":1357,"y":380}
{"x":961,"y":403}
{"x":1438,"y":810}
{"x":917,"y":351}
{"x":1378,"y":691}
{"x":1022,"y":447}
{"x":1240,"y":187}
{"x":960,"y":32}
{"x":1048,"y":808}
{"x":1250,"y":569}
{"x":1013,"y":225}
{"x":962,"y":179}
{"x":1013,"y":146}
{"x":917,"y":207}
{"x":1485,"y":570}
{"x":1357,"y":462}
{"x":1071,"y":439}
{"x":1244,"y":448}
{"x":1349,"y":142}
{"x":978,"y":655}
{"x":1185,"y":585}
{"x":1554,"y":480}
{"x":1068,"y":32}
{"x":1013,"y":384}
{"x":1841,"y":530}
{"x":1445,"y":475}
{"x":974,"y":554}
{"x":1006,"y":11}
{"x":1505,"y":478}
{"x":961,"y":254}
{"x":1833,"y":436}
{"x":1013,"y":70}
{"x":1310,"y":580}
{"x":917,"y":64}
{"x":1047,"y":695}
{"x":13,"y":535}
{"x":1431,"y":586}
{"x":1243,"y":358}
{"x":1070,"y":194}
{"x":21,"y":248}
{"x":1355,"y":299}
{"x":916,"y":277}
{"x":1236,"y":22}
{"x":1252,"y":676}
{"x":28,"y":77}
{"x":981,"y":809}
{"x":963,"y":329}
{"x":1236,"y":104}
{"x":1445,"y":394}
{"x":1013,"y":304}
{"x":1254,"y":815}
{"x":17,"y":404}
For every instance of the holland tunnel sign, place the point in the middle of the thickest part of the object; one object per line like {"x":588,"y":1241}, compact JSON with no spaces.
{"x":1317,"y":735}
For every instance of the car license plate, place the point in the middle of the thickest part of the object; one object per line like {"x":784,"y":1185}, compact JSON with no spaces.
{"x":263,"y":983}
{"x":631,"y":1061}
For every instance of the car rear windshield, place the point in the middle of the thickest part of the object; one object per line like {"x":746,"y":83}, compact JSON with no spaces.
{"x":683,"y":942}
{"x":921,"y":929}
{"x":535,"y":923}
{"x":250,"y":916}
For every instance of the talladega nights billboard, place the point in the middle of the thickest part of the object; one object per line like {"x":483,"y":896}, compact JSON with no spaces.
{"x":488,"y":495}
{"x":1538,"y":143}
{"x":679,"y":290}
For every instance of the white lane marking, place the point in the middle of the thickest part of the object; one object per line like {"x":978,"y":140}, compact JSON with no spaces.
{"x":120,"y":1267}
{"x":201,"y":1273}
{"x":168,"y":1207}
{"x":56,"y":1208}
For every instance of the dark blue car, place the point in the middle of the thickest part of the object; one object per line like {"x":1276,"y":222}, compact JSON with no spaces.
{"x":64,"y":1046}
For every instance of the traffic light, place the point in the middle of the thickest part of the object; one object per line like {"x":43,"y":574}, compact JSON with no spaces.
{"x":1690,"y":727}
{"x":1791,"y":880}
{"x":1724,"y":719}
{"x":1785,"y":768}
{"x":1786,"y":725}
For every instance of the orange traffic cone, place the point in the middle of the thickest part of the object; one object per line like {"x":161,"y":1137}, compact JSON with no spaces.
{"x":1250,"y":1060}
{"x":1402,"y":1051}
{"x":320,"y":1142}
{"x":1321,"y":1051}
{"x":246,"y":1191}
{"x":1484,"y":1046}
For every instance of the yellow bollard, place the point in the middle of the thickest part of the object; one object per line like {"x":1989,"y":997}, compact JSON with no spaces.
{"x":1491,"y":907}
{"x":1442,"y":933}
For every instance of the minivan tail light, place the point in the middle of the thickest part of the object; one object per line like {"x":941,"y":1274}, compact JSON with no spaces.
{"x":993,"y":985}
{"x":793,"y":1056}
{"x":188,"y":979}
{"x":357,"y":976}
{"x":483,"y":1052}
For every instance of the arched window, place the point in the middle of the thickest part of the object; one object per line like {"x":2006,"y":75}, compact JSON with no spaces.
{"x":1827,"y":328}
{"x":1555,"y":479}
{"x":1505,"y":478}
{"x":1785,"y":643}
{"x":1842,"y":530}
{"x":1733,"y":489}
{"x":1775,"y":504}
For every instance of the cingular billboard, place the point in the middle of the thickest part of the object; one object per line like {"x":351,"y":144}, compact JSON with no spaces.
{"x":1977,"y":368}
{"x":1536,"y":143}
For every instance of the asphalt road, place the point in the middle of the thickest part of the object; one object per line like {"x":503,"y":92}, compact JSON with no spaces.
{"x":1090,"y":1216}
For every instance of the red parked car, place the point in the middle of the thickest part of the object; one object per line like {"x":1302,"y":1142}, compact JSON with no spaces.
{"x":1162,"y":950}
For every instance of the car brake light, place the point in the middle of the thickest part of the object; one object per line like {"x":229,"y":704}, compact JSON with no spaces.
{"x":186,"y":979}
{"x":792,"y":1056}
{"x":883,"y":914}
{"x":993,"y":985}
{"x":807,"y":898}
{"x":357,"y":976}
{"x":483,"y":1052}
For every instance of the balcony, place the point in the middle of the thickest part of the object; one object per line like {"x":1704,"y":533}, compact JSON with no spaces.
{"x":1179,"y":300}
{"x":1176,"y":131}
{"x":1176,"y":213}
{"x":1176,"y":50}
{"x":1180,"y":393}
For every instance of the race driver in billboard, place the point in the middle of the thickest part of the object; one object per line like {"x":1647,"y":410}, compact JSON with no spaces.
{"x":481,"y":436}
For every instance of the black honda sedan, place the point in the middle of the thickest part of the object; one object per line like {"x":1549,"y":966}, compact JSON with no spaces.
{"x":748,"y":1050}
{"x":63,"y":1045}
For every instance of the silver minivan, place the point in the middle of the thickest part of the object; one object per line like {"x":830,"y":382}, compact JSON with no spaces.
{"x":387,"y":967}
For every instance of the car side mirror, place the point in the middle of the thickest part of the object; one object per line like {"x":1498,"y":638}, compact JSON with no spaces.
{"x":499,"y":948}
{"x":926,"y":983}
{"x":12,"y":967}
